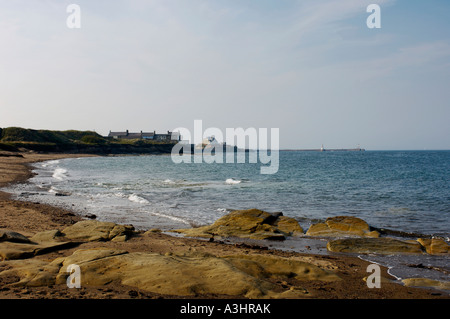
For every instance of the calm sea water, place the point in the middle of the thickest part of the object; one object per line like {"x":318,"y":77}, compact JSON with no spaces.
{"x":400,"y":190}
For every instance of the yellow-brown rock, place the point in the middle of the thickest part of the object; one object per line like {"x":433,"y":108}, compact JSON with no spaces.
{"x":32,"y":272}
{"x":289,"y":226}
{"x":93,"y":230}
{"x":9,"y":251}
{"x":18,"y":246}
{"x":435,"y":246}
{"x":374,"y":245}
{"x":262,"y":266}
{"x":182,"y":275}
{"x":342,"y":226}
{"x":47,"y":236}
{"x":251,"y":223}
{"x":424,"y":282}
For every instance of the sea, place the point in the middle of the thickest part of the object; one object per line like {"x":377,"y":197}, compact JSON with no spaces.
{"x":402,"y":191}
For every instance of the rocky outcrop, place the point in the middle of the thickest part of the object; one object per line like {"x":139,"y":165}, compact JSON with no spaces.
{"x":194,"y":273}
{"x":288,"y":226}
{"x":17,"y":246}
{"x":374,"y":245}
{"x":434,"y":246}
{"x":10,"y":250}
{"x":14,"y":245}
{"x":388,"y":245}
{"x":424,"y":282}
{"x":342,"y":226}
{"x":251,"y":223}
{"x":93,"y":230}
{"x":182,"y":275}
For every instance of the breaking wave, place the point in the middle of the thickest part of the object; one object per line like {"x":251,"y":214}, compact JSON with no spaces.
{"x":48,"y":163}
{"x":232,"y":181}
{"x":60,"y":174}
{"x":137,"y":199}
{"x":177,"y":219}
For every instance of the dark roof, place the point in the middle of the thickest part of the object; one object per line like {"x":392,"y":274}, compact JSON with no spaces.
{"x":111,"y":134}
{"x":142,"y":134}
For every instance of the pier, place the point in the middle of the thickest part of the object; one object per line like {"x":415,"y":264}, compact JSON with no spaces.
{"x":322,"y":149}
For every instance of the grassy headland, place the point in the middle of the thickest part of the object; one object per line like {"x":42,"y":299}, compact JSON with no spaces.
{"x":17,"y":139}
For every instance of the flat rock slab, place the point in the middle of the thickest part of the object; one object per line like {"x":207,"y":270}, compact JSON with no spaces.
{"x":18,"y":246}
{"x":424,"y":282}
{"x":183,"y":275}
{"x":48,"y":236}
{"x":10,"y":250}
{"x":375,"y":245}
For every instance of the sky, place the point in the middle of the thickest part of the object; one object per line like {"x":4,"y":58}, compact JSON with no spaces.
{"x":313,"y":69}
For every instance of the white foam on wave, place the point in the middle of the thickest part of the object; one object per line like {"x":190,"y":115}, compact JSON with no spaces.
{"x":232,"y":181}
{"x":52,"y":190}
{"x":389,"y":271}
{"x":177,"y":219}
{"x":60,"y":173}
{"x":137,"y":199}
{"x":49,"y":163}
{"x":120,"y":194}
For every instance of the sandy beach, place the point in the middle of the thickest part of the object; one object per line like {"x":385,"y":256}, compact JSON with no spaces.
{"x":31,"y":218}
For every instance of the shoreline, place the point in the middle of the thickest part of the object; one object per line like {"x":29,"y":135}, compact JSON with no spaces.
{"x":29,"y":218}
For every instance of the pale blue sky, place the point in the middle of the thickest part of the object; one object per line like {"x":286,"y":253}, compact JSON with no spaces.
{"x":310,"y":68}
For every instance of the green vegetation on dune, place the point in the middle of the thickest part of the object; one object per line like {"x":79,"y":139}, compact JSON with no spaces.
{"x":18,"y":134}
{"x":14,"y":139}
